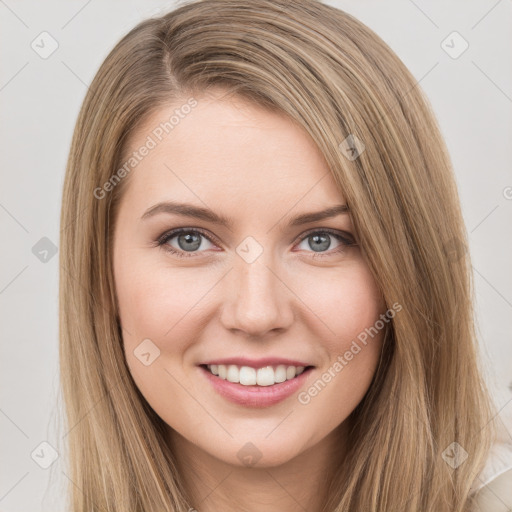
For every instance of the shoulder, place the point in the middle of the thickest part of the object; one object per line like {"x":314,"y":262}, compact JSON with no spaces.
{"x":493,"y":492}
{"x":495,"y":496}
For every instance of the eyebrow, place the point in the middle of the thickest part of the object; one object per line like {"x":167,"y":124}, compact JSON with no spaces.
{"x":198,"y":212}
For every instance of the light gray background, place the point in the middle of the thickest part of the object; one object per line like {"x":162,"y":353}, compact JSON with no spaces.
{"x":40,"y":98}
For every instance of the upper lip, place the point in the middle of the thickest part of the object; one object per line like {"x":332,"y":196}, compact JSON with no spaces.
{"x":257,"y":363}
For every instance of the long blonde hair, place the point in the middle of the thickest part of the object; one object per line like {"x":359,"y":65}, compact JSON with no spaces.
{"x":336,"y":78}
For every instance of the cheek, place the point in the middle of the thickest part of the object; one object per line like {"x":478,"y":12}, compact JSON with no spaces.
{"x":156,"y":304}
{"x":351,"y":307}
{"x":160,"y":303}
{"x":344,"y":302}
{"x":165,"y":304}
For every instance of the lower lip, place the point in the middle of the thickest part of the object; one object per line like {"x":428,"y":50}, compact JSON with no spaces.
{"x":256,"y":396}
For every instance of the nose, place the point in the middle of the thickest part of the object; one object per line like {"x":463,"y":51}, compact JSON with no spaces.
{"x":258,"y":299}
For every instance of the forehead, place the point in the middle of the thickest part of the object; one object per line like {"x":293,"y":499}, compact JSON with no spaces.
{"x":226,"y":150}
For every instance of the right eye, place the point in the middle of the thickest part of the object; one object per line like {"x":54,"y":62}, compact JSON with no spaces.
{"x":187,"y":238}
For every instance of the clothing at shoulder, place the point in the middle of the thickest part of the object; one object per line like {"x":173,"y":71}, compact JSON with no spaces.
{"x":494,"y":487}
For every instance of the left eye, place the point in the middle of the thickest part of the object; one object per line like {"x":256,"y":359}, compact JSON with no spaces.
{"x":321,"y":240}
{"x":190,"y":240}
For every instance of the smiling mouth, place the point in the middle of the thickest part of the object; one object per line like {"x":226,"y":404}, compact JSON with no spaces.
{"x":260,"y":377}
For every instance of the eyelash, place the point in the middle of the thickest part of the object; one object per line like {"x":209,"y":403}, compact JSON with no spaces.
{"x":165,"y":237}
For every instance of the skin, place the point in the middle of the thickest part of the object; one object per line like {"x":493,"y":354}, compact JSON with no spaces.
{"x":261,"y":170}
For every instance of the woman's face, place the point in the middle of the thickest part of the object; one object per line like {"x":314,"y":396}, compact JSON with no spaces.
{"x":269,"y":287}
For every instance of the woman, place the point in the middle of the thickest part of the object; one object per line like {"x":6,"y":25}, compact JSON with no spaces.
{"x":314,"y":347}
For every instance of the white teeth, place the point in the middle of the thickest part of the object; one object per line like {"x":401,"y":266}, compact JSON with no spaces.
{"x":280,"y":373}
{"x":248,"y":376}
{"x":265,"y":376}
{"x":290,"y":372}
{"x":233,"y":375}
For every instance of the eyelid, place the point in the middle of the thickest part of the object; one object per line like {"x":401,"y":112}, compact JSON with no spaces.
{"x":173,"y":232}
{"x":330,"y":231}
